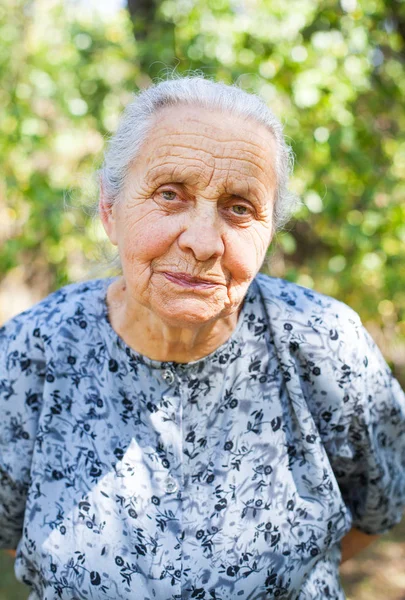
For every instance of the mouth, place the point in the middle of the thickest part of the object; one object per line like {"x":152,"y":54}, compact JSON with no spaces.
{"x":185,"y":280}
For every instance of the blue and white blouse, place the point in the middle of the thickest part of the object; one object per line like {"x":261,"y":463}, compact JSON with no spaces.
{"x":234,"y":476}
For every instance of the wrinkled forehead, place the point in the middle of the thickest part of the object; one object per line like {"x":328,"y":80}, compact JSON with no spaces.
{"x":205,"y":144}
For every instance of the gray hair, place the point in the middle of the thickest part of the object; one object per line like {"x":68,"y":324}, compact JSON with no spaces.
{"x":195,"y":90}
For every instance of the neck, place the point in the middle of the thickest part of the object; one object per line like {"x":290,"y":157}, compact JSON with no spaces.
{"x":146,"y":333}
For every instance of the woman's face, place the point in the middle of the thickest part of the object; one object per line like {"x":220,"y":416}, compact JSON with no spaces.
{"x":195,"y":217}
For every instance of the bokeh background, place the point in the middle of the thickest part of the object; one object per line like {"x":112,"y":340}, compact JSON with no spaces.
{"x":334,"y":74}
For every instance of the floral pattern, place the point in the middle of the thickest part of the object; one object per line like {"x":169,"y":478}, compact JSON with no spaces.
{"x":234,"y":476}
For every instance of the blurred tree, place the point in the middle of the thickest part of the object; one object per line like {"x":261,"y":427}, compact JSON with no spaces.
{"x":333,"y":72}
{"x":64,"y":75}
{"x":155,"y":35}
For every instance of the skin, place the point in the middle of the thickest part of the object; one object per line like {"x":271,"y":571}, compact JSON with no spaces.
{"x":354,"y":542}
{"x":198,"y":201}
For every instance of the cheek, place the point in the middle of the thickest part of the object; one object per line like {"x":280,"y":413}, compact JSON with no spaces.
{"x":147,"y":236}
{"x":246,"y":251}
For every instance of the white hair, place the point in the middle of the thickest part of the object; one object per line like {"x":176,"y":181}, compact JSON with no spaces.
{"x":137,"y":119}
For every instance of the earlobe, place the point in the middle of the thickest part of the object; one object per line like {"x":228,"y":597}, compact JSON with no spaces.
{"x":107,"y":216}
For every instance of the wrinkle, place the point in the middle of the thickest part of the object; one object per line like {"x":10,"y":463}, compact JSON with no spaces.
{"x":235,"y":155}
{"x":142,"y":217}
{"x":246,"y":157}
{"x":156,"y":136}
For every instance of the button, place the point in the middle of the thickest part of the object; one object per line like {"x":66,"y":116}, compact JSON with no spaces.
{"x":170,"y":485}
{"x":168,"y":377}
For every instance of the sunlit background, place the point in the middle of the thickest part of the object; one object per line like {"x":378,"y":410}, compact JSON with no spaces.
{"x":334,"y":74}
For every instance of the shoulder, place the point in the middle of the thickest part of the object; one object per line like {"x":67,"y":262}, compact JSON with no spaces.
{"x":291,"y":306}
{"x":63,"y":308}
{"x":325,"y":353}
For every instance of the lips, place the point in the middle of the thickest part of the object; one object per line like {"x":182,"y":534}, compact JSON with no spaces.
{"x":189,"y":281}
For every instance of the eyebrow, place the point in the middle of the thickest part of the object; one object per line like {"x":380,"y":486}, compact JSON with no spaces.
{"x":165,"y":174}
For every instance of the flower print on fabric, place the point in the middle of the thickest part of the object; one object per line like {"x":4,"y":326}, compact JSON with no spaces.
{"x":233,"y":476}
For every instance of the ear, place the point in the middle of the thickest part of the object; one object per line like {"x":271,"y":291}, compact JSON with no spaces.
{"x":107,"y":215}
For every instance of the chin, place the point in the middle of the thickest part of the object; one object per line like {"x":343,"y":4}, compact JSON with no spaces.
{"x":190,"y":313}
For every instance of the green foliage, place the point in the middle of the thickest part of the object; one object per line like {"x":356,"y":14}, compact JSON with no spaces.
{"x":10,"y":589}
{"x":64,"y":79}
{"x":333,"y":72}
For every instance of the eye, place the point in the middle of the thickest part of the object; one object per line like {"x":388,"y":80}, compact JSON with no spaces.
{"x":168,"y":195}
{"x":240,"y":210}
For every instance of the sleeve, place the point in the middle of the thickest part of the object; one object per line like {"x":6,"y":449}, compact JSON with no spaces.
{"x":366,"y":447}
{"x":22,"y":368}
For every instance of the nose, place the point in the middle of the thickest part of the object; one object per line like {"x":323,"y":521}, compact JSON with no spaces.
{"x":202,"y":237}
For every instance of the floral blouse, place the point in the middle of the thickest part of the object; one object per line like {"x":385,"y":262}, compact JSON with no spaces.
{"x":234,"y":476}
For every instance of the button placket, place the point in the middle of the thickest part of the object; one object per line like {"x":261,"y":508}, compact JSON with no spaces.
{"x":171,"y":485}
{"x":168,"y":376}
{"x":170,"y":434}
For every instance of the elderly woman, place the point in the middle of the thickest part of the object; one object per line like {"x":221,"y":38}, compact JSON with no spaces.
{"x":191,"y":428}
